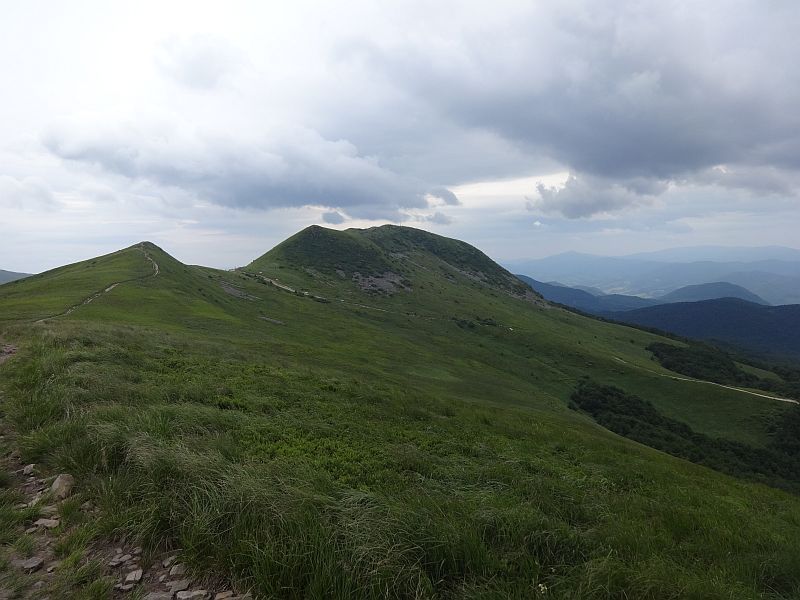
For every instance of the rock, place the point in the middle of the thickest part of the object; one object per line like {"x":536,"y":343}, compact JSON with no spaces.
{"x":168,"y":561}
{"x":28,"y":469}
{"x":223,"y":595}
{"x":177,"y":570}
{"x":30,"y":564}
{"x":48,"y":523}
{"x":53,"y":566}
{"x":31,"y":530}
{"x":124,"y":558}
{"x":62,"y":486}
{"x":158,"y":596}
{"x":134,"y":576}
{"x":192,"y":595}
{"x":179,"y":586}
{"x":137,"y":551}
{"x":125,"y":587}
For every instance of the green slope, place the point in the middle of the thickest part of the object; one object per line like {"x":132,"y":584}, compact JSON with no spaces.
{"x":367,"y":435}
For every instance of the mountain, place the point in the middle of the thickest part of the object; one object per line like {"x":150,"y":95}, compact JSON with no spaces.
{"x":766,"y":330}
{"x":711,"y":291}
{"x":602,"y":304}
{"x":6,"y":276}
{"x":381,"y":259}
{"x":584,"y":300}
{"x":382,"y":413}
{"x":775,"y":281}
{"x":720,"y":254}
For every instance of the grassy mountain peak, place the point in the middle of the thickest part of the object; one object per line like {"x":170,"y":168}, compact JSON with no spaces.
{"x":385,"y":258}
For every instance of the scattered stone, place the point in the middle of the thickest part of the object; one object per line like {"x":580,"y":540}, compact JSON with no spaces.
{"x":169,"y":560}
{"x":47,"y":523}
{"x":53,"y":566}
{"x":179,"y":586}
{"x":192,"y":595}
{"x":158,"y":596}
{"x":87,"y":506}
{"x":28,"y":469}
{"x":177,"y":570}
{"x":49,"y":511}
{"x":125,"y":558}
{"x":125,"y":587}
{"x":31,"y":530}
{"x":137,"y":551}
{"x":161,"y":578}
{"x":134,"y":576}
{"x":62,"y":486}
{"x":223,"y":595}
{"x":21,"y":506}
{"x":30,"y":564}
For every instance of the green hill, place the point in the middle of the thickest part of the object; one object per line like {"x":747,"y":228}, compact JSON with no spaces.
{"x":382,"y":413}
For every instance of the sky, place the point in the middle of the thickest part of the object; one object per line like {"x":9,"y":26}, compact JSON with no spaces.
{"x":217,"y":129}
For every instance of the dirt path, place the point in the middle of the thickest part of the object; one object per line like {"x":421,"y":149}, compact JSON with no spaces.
{"x":6,"y":352}
{"x":727,"y":387}
{"x":96,"y":295}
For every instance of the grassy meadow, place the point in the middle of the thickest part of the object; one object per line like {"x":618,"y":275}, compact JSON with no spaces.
{"x":412,"y":445}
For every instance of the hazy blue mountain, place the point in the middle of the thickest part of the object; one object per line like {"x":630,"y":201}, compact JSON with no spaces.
{"x":585,"y":301}
{"x":720,"y":254}
{"x":711,"y":291}
{"x":6,"y":276}
{"x":775,"y":281}
{"x":766,"y":330}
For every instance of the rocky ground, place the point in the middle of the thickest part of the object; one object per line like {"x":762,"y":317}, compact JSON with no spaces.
{"x":38,"y":560}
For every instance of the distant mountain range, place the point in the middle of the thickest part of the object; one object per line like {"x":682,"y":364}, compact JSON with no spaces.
{"x":718,"y":312}
{"x":767,"y":330}
{"x":6,"y":276}
{"x":771,"y":273}
{"x":601,"y":304}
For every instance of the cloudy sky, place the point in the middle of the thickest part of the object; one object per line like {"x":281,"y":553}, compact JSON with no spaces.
{"x":216,"y":129}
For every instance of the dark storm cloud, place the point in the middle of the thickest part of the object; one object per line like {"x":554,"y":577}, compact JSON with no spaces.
{"x":627,"y":94}
{"x":630,"y":97}
{"x":291,"y":168}
{"x":445,"y":195}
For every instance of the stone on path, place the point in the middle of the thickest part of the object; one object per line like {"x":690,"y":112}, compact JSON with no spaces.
{"x":62,"y":486}
{"x":30,"y":564}
{"x":179,"y":586}
{"x":134,"y":576}
{"x":48,"y":523}
{"x":192,"y":595}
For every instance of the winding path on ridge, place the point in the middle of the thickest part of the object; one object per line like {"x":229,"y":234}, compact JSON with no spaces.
{"x":96,"y":295}
{"x":727,"y":387}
